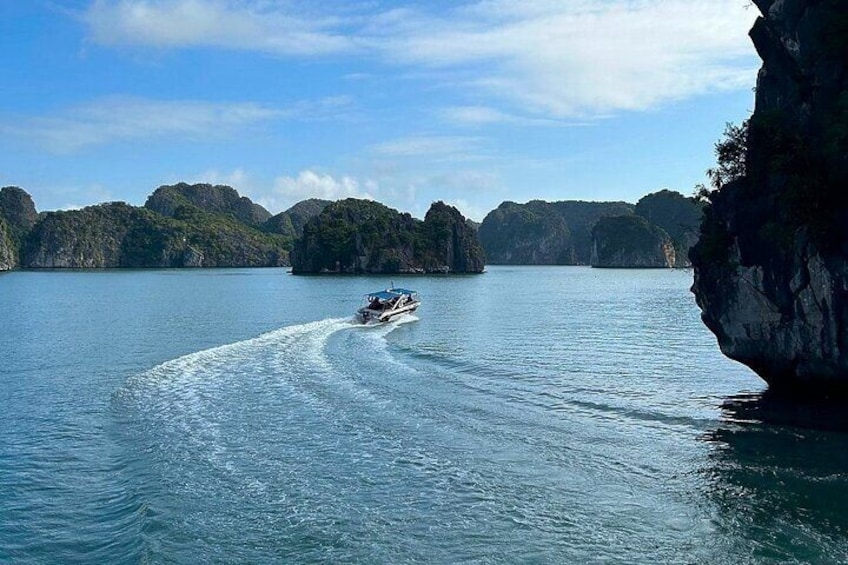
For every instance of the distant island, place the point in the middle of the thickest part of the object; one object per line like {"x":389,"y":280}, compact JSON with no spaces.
{"x":182,"y":225}
{"x":203,"y":225}
{"x":657,"y":232}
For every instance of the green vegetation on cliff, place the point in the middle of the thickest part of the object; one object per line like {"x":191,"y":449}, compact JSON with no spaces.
{"x":213,"y":199}
{"x":119,"y":235}
{"x":447,"y":243}
{"x":362,"y":236}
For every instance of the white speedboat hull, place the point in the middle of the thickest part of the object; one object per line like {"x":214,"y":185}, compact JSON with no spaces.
{"x":369,"y":316}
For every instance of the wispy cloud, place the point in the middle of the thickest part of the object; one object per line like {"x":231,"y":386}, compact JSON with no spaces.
{"x":476,"y":115}
{"x":122,"y":119}
{"x":271,"y":27}
{"x":428,"y":146}
{"x":486,"y":115}
{"x":586,"y":57}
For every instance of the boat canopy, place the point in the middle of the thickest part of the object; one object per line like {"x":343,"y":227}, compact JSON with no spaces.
{"x":402,"y":291}
{"x":390,"y":293}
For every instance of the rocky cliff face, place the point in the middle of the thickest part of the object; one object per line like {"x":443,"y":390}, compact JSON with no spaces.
{"x":8,"y":252}
{"x":17,"y":217}
{"x":630,"y":242}
{"x":451,"y":245}
{"x":679,"y":216}
{"x":362,"y":236}
{"x":771,"y":267}
{"x":526,"y":234}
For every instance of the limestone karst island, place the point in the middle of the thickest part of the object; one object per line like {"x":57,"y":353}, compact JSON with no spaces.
{"x":204,"y":225}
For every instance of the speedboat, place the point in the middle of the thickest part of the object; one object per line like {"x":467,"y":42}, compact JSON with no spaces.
{"x":385,"y":305}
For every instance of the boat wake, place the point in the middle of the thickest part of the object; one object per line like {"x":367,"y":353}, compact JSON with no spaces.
{"x":289,"y":358}
{"x":206,"y":405}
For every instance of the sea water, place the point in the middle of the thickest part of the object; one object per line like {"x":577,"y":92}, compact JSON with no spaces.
{"x":529,"y":414}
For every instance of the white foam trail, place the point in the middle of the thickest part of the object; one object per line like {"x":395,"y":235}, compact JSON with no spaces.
{"x":193,"y":399}
{"x":218,"y":359}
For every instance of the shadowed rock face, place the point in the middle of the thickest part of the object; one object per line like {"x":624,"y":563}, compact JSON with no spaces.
{"x":544,"y":233}
{"x":7,"y":249}
{"x":771,"y":267}
{"x":290,"y":223}
{"x":631,"y":242}
{"x":17,"y":217}
{"x":361,"y":236}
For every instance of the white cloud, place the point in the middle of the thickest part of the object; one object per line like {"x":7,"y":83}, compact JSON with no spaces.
{"x":486,"y":115}
{"x":74,"y":197}
{"x":290,"y":190}
{"x":551,"y":59}
{"x":232,"y":24}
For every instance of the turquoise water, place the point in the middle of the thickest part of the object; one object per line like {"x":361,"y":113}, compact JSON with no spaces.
{"x":544,"y":415}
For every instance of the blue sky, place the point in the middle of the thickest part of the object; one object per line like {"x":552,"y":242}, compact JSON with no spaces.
{"x":471,"y":102}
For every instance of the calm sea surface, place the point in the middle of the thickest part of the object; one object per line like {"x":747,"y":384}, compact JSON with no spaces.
{"x":527,"y":415}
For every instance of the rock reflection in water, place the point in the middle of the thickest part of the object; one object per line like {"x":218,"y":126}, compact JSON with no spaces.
{"x":779,"y":477}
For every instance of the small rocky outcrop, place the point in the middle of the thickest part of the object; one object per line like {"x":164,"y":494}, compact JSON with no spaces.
{"x":771,"y":267}
{"x":631,"y":242}
{"x":362,"y":236}
{"x":213,"y":199}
